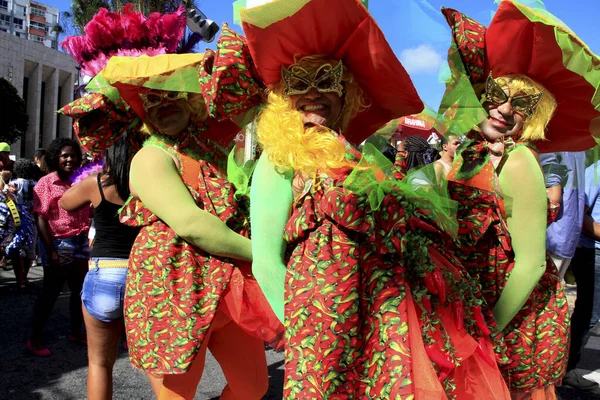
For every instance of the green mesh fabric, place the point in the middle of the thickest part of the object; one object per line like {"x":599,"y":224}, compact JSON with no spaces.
{"x":180,"y":80}
{"x":460,"y":109}
{"x":535,"y":11}
{"x":272,"y":12}
{"x":239,"y":175}
{"x":99,"y":84}
{"x":238,"y":5}
{"x":373,"y":177}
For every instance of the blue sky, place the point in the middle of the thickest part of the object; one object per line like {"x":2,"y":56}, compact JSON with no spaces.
{"x":419,"y":35}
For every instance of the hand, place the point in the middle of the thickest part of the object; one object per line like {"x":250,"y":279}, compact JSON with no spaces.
{"x":53,"y":257}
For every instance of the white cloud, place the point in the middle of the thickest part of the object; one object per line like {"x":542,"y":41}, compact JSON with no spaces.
{"x":421,"y":60}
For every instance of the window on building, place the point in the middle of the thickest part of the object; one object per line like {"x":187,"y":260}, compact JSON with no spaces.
{"x":18,"y":22}
{"x":37,"y":38}
{"x":52,"y":19}
{"x":37,"y":11}
{"x":3,"y":5}
{"x":20,"y":34}
{"x":3,"y":30}
{"x":20,"y":10}
{"x":5,"y":20}
{"x":38,"y":25}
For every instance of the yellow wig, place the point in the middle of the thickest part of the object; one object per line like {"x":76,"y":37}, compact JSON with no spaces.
{"x":289,"y":145}
{"x":534,"y":126}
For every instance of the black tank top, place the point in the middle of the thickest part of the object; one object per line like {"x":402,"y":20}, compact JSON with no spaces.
{"x":113,"y":239}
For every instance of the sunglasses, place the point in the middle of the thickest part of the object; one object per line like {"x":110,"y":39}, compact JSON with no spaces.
{"x":152,"y":99}
{"x":327,"y":79}
{"x":521,"y":104}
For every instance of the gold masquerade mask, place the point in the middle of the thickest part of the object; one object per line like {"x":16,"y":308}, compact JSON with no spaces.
{"x":327,"y":79}
{"x":152,"y":99}
{"x":521,"y":104}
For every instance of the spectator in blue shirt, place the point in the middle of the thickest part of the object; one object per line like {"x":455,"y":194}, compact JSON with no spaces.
{"x":565,"y":181}
{"x":586,"y":268}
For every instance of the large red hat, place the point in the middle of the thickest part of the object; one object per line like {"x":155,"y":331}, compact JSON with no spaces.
{"x":521,"y":40}
{"x":282,"y":30}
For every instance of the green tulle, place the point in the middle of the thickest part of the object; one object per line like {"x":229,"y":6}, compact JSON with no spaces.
{"x":460,"y":109}
{"x":239,"y":175}
{"x":99,"y":84}
{"x":180,"y":80}
{"x":373,"y":177}
{"x":237,"y":6}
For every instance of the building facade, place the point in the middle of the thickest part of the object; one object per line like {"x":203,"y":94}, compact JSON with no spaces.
{"x":30,"y":20}
{"x":46,"y":79}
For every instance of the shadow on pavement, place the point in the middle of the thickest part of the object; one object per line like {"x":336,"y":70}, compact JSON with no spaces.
{"x":24,"y":375}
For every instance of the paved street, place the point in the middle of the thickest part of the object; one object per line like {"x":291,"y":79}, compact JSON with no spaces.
{"x":63,"y":375}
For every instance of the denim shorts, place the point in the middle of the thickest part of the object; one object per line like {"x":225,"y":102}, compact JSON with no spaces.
{"x":103,"y":291}
{"x":70,"y":248}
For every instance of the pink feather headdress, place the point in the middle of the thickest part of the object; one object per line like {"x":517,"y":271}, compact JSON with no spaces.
{"x":124,"y":33}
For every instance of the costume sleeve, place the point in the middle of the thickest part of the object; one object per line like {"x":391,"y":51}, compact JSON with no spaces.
{"x":41,"y":204}
{"x":173,"y":203}
{"x":526,"y":208}
{"x":592,"y":184}
{"x":271,"y":201}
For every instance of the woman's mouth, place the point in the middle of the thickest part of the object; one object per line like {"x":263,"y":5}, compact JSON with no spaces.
{"x":499,"y":124}
{"x":313,"y":107}
{"x":168,"y":111}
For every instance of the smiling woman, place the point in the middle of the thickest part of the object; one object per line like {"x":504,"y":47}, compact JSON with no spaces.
{"x":498,"y":183}
{"x":64,"y":236}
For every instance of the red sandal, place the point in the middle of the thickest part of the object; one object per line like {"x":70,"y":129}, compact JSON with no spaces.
{"x":42,"y":351}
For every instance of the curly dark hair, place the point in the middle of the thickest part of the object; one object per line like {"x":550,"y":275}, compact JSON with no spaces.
{"x":26,"y":169}
{"x":419,"y":151}
{"x":53,"y":153}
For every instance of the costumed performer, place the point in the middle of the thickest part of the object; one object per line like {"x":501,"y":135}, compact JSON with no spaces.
{"x":536,"y":80}
{"x":371,"y":309}
{"x":184,"y":293}
{"x":108,"y":34}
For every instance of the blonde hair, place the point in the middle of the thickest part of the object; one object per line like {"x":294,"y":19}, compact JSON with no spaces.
{"x":198,"y":112}
{"x":534,"y":126}
{"x":289,"y":145}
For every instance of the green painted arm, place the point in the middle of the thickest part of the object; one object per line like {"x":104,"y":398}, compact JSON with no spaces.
{"x":155,"y":180}
{"x":523,"y":189}
{"x":271,"y":200}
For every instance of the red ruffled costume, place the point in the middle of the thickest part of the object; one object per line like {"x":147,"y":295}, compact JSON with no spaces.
{"x":166,"y":325}
{"x":536,"y":338}
{"x":175,"y":289}
{"x":375,"y":307}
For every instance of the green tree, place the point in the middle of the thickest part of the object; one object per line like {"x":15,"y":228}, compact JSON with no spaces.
{"x":13,"y":113}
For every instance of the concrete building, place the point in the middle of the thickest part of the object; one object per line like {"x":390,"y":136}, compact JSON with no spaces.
{"x":30,"y":20}
{"x":46,"y":79}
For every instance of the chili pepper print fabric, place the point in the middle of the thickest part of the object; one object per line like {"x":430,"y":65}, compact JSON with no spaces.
{"x":536,"y":339}
{"x":100,"y":122}
{"x":372,"y":309}
{"x":173,"y":288}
